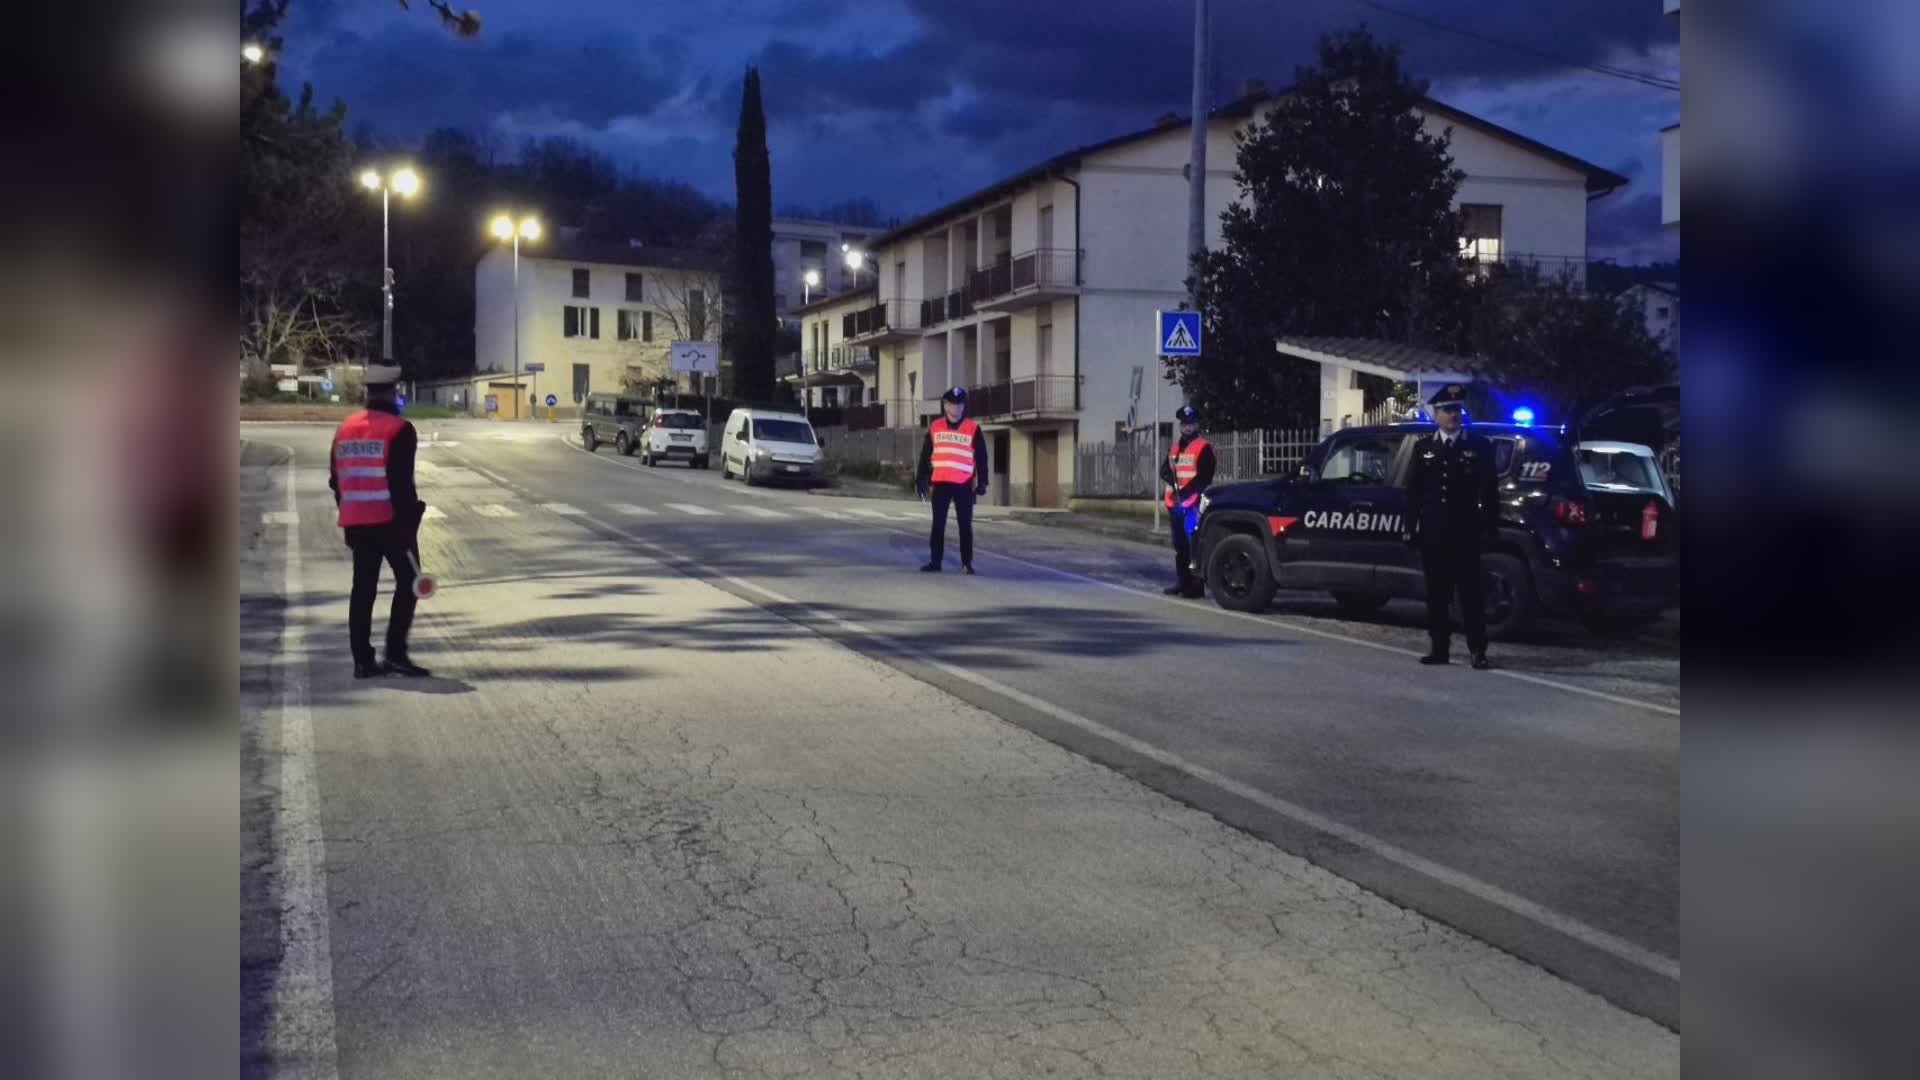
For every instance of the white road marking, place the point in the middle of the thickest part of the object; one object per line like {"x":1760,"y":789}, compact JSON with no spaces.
{"x":495,"y":510}
{"x":563,"y":509}
{"x":495,"y":477}
{"x":281,"y":517}
{"x":433,"y":512}
{"x":696,"y":511}
{"x":1611,"y":944}
{"x":757,"y":511}
{"x":821,"y":511}
{"x":301,"y":1021}
{"x":422,"y":466}
{"x":631,"y":510}
{"x":867,"y":512}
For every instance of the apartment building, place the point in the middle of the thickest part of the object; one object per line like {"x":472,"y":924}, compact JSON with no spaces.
{"x":834,"y":372}
{"x":820,"y":247}
{"x":599,"y":316}
{"x":1038,"y":293}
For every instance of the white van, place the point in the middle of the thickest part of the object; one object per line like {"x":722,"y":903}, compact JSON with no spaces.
{"x":759,"y":445}
{"x":675,"y":435}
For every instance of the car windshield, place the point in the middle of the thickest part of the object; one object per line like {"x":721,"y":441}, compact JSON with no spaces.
{"x":676,"y":420}
{"x":1618,"y":470}
{"x":790,"y":431}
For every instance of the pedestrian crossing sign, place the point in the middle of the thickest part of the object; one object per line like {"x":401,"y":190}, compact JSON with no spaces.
{"x":1177,"y":333}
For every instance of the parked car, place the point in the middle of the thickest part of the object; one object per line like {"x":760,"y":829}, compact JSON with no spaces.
{"x":1649,"y":415}
{"x":760,"y":445}
{"x":676,"y":435}
{"x":615,"y":419}
{"x":1587,"y":529}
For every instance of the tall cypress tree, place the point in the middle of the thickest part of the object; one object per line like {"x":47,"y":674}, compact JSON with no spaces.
{"x":753,"y":336}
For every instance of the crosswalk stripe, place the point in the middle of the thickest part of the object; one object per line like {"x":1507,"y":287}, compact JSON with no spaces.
{"x":434,"y":512}
{"x":495,"y":510}
{"x":696,"y":511}
{"x":280,"y":517}
{"x":821,"y":511}
{"x":631,"y":510}
{"x":868,"y":512}
{"x":757,"y":511}
{"x":562,"y":508}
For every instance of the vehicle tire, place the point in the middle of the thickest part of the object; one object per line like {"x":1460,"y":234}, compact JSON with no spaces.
{"x":623,"y":444}
{"x":1509,"y":595}
{"x":1359,"y":603}
{"x":588,"y":439}
{"x":746,"y":473}
{"x":1238,"y":575}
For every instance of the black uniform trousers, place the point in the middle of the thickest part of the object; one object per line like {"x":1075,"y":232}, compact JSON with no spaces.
{"x":960,"y":498}
{"x":1450,"y":555}
{"x":1182,"y":547}
{"x":372,"y":545}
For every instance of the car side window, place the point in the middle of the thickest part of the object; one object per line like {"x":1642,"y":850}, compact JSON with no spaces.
{"x":1503,"y":451}
{"x":1361,"y":459}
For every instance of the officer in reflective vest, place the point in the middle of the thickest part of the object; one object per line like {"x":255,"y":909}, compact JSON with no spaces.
{"x":953,"y":467}
{"x":1187,"y":474}
{"x":371,"y":473}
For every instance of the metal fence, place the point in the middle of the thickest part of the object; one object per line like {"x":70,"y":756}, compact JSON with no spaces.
{"x":1130,"y":468}
{"x":876,"y":446}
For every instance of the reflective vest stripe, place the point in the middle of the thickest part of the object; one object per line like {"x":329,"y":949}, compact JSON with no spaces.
{"x":1186,"y":466}
{"x":360,"y":450}
{"x":953,"y":451}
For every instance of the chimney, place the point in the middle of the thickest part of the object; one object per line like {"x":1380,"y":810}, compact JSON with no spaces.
{"x":1252,"y":87}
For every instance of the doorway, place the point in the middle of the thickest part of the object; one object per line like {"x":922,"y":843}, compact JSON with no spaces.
{"x":1002,"y":474}
{"x":1046,"y":468}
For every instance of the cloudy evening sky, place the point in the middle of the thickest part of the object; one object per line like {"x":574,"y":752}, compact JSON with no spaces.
{"x":914,"y":102}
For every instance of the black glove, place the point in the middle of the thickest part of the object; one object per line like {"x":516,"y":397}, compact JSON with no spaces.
{"x":980,"y":488}
{"x":920,"y":488}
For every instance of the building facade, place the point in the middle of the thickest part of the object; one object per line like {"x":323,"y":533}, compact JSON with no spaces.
{"x":598,"y":317}
{"x":800,"y":246}
{"x":832,"y":371}
{"x":1038,"y":294}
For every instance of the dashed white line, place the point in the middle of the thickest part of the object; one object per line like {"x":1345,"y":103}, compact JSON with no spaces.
{"x":433,"y":512}
{"x":495,"y":510}
{"x":631,"y":510}
{"x":563,"y":509}
{"x":696,"y":511}
{"x":757,"y":511}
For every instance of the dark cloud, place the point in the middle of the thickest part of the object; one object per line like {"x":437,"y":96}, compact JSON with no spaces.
{"x":408,"y":79}
{"x":989,"y":121}
{"x":1626,"y":227}
{"x":796,"y":80}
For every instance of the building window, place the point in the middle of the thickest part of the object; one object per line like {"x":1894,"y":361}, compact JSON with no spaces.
{"x":696,"y":315}
{"x":1480,"y":233}
{"x":581,"y":283}
{"x":634,"y":292}
{"x":646,"y":326}
{"x":581,"y":322}
{"x":634,"y":325}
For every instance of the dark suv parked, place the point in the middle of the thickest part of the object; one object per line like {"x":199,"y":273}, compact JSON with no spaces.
{"x":612,"y":418}
{"x":1585,"y":530}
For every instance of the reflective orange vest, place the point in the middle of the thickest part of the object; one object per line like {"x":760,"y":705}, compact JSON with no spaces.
{"x":360,"y":451}
{"x":1186,"y":466}
{"x":953,"y":450}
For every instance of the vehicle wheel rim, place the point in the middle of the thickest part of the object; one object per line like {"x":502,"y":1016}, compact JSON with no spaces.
{"x":1236,"y":574}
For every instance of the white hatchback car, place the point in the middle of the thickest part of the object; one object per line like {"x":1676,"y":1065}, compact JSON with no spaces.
{"x":760,"y":445}
{"x":676,"y":435}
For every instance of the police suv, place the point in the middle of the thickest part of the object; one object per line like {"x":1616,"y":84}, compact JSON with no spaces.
{"x":1585,"y":529}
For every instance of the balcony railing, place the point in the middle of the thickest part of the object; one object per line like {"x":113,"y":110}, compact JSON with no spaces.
{"x":884,"y":319}
{"x":842,"y":358}
{"x":1035,"y":396}
{"x":954,"y":305}
{"x":1034,"y":273}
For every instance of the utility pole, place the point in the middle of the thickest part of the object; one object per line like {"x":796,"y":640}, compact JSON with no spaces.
{"x":1197,"y":151}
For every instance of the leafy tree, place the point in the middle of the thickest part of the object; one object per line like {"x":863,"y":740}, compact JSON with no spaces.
{"x":1344,"y":228}
{"x":752,"y":338}
{"x":1568,"y":347}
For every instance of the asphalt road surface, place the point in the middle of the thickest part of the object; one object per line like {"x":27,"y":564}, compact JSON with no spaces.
{"x":710,"y":782}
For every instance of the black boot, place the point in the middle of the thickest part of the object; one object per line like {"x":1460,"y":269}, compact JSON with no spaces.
{"x":370,"y":670}
{"x":1435,"y":657}
{"x":1480,"y":661}
{"x":930,"y":568}
{"x":406,"y":667}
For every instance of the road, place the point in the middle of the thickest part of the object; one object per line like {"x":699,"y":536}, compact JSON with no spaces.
{"x":711,"y":782}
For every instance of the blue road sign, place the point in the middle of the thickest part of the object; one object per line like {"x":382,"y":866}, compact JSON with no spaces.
{"x":1177,"y":333}
{"x":533,"y":367}
{"x":552,"y":401}
{"x":326,"y":386}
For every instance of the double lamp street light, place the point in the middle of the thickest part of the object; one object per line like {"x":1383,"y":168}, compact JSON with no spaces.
{"x":504,"y":227}
{"x":406,"y":182}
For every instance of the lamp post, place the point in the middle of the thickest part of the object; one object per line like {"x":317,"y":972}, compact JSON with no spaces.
{"x":505,"y":228}
{"x":407,"y":183}
{"x":809,"y":281}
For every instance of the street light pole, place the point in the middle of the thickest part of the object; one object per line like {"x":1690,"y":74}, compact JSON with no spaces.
{"x":386,"y":279}
{"x":516,"y":324}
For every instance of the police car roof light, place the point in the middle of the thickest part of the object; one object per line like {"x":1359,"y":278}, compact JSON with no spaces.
{"x":1523,"y":416}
